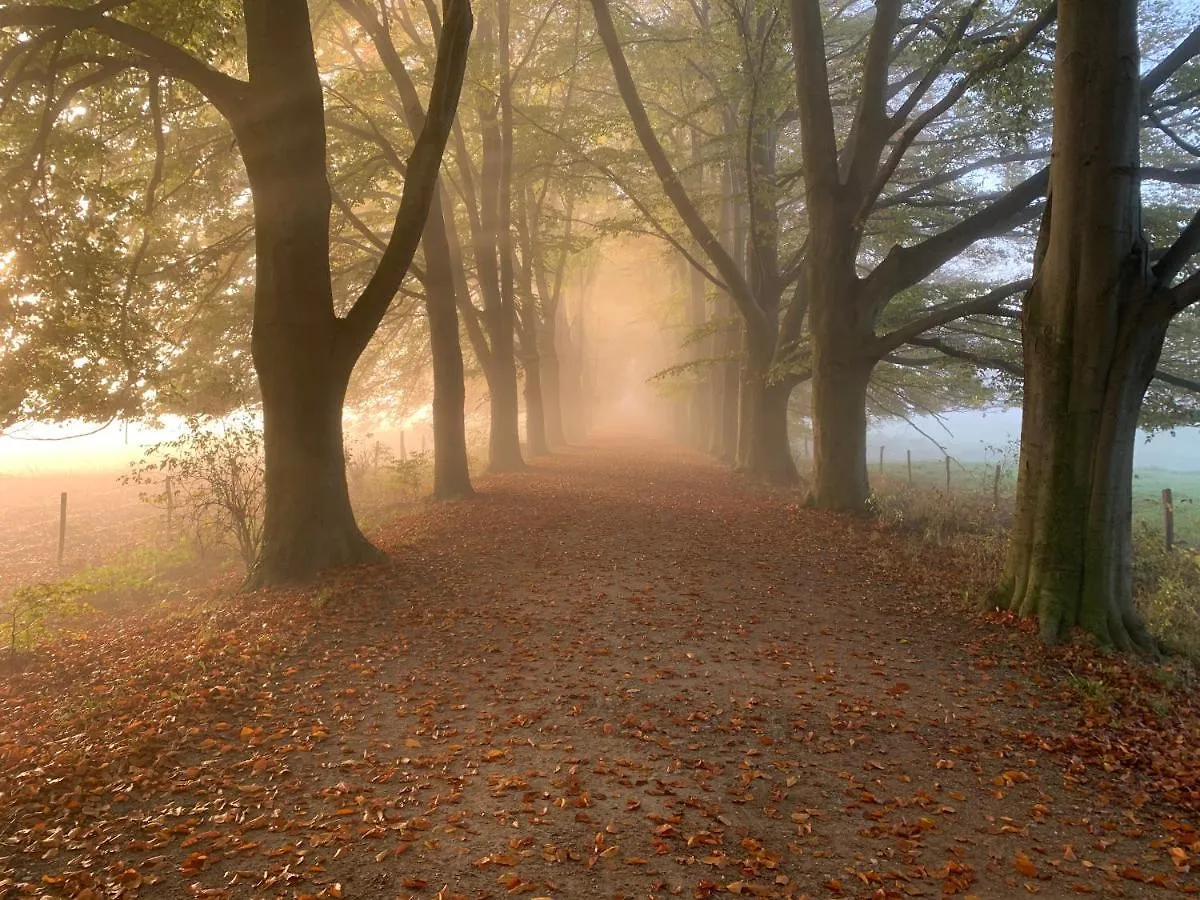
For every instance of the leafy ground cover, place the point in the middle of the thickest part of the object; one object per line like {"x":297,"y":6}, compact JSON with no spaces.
{"x":624,"y":674}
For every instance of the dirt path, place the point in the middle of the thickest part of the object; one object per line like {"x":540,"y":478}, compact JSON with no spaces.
{"x":620,"y":675}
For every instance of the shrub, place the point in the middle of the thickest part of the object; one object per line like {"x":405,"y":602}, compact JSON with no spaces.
{"x":365,"y":459}
{"x":415,"y":474}
{"x":25,"y":617}
{"x":212,"y":477}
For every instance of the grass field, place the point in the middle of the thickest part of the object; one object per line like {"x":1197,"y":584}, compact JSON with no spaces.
{"x":980,"y":479}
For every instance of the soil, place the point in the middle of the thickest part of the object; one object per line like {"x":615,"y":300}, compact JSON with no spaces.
{"x":625,"y":673}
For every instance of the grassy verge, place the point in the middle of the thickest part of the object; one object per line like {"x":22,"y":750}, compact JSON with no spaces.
{"x":975,"y":528}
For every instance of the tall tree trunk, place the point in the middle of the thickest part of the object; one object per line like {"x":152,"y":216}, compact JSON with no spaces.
{"x":749,"y":384}
{"x":535,"y":411}
{"x":843,"y":335}
{"x":537,"y":345}
{"x":839,"y":416}
{"x":493,"y":262}
{"x":733,"y":235}
{"x":728,"y":393}
{"x":1092,"y":336}
{"x":552,"y":396}
{"x":700,"y":396}
{"x":714,"y":345}
{"x":535,"y":415}
{"x":770,"y":450}
{"x":309,"y":524}
{"x":451,"y":475}
{"x":570,"y":387}
{"x":302,"y":367}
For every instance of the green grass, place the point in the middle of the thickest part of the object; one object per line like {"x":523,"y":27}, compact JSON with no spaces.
{"x":977,"y":478}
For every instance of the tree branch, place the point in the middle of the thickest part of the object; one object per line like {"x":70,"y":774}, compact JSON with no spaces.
{"x":905,"y":266}
{"x":735,"y":282}
{"x":952,"y":96}
{"x":420,"y":183}
{"x":1160,"y":74}
{"x":935,"y":318}
{"x":225,"y":92}
{"x":819,"y":143}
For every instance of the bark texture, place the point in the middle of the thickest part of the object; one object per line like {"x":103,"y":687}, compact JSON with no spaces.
{"x":302,"y":351}
{"x":451,"y":473}
{"x":1093,"y":329}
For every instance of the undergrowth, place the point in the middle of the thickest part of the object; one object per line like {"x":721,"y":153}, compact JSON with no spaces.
{"x":31,"y":613}
{"x":1166,"y":582}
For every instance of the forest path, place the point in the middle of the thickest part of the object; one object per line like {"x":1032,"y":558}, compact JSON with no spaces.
{"x":625,"y":673}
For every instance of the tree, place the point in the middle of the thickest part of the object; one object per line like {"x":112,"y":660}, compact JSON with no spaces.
{"x":845,"y":185}
{"x":756,"y":283}
{"x":303,"y":351}
{"x":1093,"y":328}
{"x":451,"y":475}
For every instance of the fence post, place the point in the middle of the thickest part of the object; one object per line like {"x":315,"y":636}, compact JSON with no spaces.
{"x":996,"y":488}
{"x":909,"y":454}
{"x":1168,"y":503}
{"x":947,"y":474}
{"x":881,"y":460}
{"x":403,"y":452}
{"x":62,"y":526}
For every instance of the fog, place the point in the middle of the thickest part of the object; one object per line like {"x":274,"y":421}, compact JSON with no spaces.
{"x":625,"y":326}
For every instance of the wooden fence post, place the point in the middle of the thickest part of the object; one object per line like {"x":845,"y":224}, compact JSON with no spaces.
{"x":947,"y":474}
{"x":881,"y":460}
{"x":62,"y":526}
{"x":909,"y":453}
{"x":1168,"y":503}
{"x":403,"y":452}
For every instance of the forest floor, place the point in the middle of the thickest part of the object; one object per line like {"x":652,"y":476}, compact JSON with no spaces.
{"x":626,"y":673}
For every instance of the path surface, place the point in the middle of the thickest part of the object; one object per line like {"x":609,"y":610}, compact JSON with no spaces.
{"x":619,"y":675}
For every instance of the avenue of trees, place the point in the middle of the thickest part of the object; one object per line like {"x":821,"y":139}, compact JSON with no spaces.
{"x":865,"y":209}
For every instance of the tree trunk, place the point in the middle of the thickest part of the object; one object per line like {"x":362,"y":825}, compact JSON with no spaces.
{"x":728,"y":391}
{"x":842,"y":327}
{"x":839,"y":415}
{"x":1092,"y":337}
{"x":1070,"y":561}
{"x":570,"y":385}
{"x":551,"y":384}
{"x":493,"y":257}
{"x":700,"y":396}
{"x":451,"y":475}
{"x":303,"y":368}
{"x":747,"y":391}
{"x":769,"y":455}
{"x":309,"y":524}
{"x":535,"y":410}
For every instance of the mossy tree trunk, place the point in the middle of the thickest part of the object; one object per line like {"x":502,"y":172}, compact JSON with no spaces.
{"x":1093,"y":329}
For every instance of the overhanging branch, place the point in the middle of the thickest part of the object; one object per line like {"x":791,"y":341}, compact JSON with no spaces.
{"x":225,"y":92}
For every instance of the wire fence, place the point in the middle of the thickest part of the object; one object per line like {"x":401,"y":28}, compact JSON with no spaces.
{"x":49,"y":534}
{"x":1168,"y":502}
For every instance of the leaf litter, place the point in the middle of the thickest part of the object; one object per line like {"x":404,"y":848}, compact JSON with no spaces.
{"x":627,"y":673}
